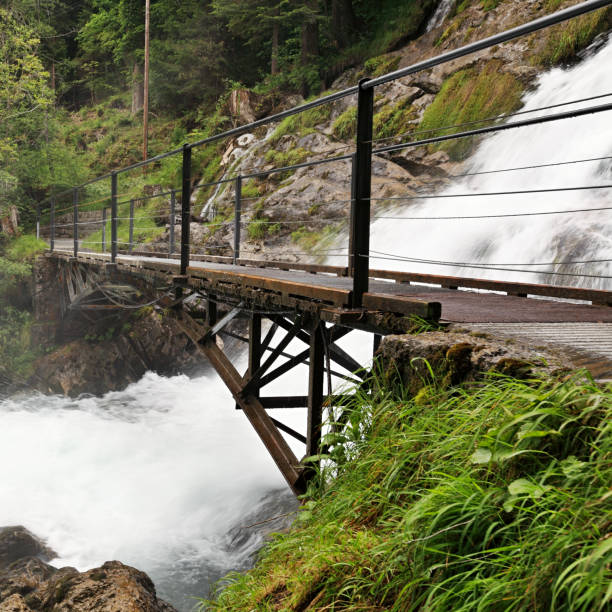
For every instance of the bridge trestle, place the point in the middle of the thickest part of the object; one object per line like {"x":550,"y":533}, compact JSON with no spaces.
{"x":263,"y":369}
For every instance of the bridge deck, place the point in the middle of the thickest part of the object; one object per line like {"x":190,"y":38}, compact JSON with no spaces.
{"x":329,"y":288}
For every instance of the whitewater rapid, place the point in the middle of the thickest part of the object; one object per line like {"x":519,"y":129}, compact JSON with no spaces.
{"x":154,"y":476}
{"x":514,"y":244}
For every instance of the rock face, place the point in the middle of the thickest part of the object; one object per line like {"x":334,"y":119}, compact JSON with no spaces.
{"x":29,"y":584}
{"x":149,"y":343}
{"x":450,"y":358}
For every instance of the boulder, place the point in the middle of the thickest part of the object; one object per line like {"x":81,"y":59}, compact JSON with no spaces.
{"x":28,"y":583}
{"x":17,"y":542}
{"x":450,"y":358}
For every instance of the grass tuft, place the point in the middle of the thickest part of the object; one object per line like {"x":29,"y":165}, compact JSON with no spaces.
{"x":493,"y":496}
{"x":469,"y":95}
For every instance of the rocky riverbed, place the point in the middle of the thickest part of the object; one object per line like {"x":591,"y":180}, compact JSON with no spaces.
{"x":28,"y":583}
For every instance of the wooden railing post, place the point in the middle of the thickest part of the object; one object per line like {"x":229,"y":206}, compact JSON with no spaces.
{"x":172,"y":214}
{"x":185,"y":208}
{"x":360,"y":229}
{"x":237,"y":213}
{"x":131,"y":230}
{"x":104,"y":230}
{"x":351,"y":258}
{"x":52,"y":224}
{"x":113,"y":217}
{"x":75,"y":220}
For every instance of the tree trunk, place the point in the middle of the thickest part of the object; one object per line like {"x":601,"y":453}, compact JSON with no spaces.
{"x":137,"y":89}
{"x":343,"y":22}
{"x":275,"y":40}
{"x":309,"y":49}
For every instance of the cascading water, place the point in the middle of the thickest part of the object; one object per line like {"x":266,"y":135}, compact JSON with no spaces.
{"x":517,"y":243}
{"x":155,"y":476}
{"x":440,"y":14}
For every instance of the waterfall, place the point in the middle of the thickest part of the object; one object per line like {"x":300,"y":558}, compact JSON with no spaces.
{"x":511,"y":246}
{"x":440,"y":14}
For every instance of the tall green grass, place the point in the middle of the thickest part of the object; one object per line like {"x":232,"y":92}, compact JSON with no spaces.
{"x":494,"y":496}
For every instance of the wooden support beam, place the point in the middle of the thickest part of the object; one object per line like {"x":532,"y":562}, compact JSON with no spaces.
{"x":289,"y":401}
{"x":288,"y":430}
{"x":315,"y":389}
{"x":276,"y":352}
{"x":278,"y":448}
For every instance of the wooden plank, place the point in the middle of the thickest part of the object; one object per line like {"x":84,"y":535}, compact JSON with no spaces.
{"x":339,"y":297}
{"x":597,"y":296}
{"x":402,"y":305}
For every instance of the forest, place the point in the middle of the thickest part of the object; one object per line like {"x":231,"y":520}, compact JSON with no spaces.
{"x":60,"y":56}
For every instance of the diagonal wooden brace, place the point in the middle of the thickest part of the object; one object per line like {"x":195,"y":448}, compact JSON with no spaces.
{"x":273,"y":440}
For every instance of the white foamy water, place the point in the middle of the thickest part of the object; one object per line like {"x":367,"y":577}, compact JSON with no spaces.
{"x":154,"y":476}
{"x":511,"y":243}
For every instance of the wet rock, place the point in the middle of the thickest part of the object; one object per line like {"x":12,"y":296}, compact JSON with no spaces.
{"x":17,"y":542}
{"x":153,"y":342}
{"x":28,"y":583}
{"x":109,"y":588}
{"x":450,"y":358}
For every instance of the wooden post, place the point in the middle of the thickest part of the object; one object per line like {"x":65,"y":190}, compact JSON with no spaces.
{"x":104,"y":230}
{"x":75,"y":220}
{"x":315,"y":389}
{"x":52,"y":223}
{"x":185,"y":209}
{"x":237,"y":211}
{"x":172,"y":213}
{"x":131,"y":231}
{"x":113,"y":217}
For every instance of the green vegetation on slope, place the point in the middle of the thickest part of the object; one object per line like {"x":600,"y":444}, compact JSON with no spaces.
{"x":470,"y":95}
{"x":16,"y":259}
{"x":493,"y":496}
{"x":562,"y":42}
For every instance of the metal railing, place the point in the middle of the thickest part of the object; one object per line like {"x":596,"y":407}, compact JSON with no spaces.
{"x":360,"y":197}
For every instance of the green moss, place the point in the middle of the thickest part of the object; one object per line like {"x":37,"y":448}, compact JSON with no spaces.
{"x":563,"y":41}
{"x":377,"y":66}
{"x":309,"y":240}
{"x":470,"y":95}
{"x":489,"y":5}
{"x":393,"y":120}
{"x":251,"y":190}
{"x":345,"y":125}
{"x":258,"y":229}
{"x":302,"y":123}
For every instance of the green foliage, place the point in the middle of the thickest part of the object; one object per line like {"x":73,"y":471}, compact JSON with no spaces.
{"x":310,"y":240}
{"x":302,"y":123}
{"x":377,"y":66}
{"x":562,"y":42}
{"x":25,"y":248}
{"x":17,"y":355}
{"x":469,"y":95}
{"x":489,"y":497}
{"x":251,"y":190}
{"x":395,"y":119}
{"x":345,"y":126}
{"x":280,"y":159}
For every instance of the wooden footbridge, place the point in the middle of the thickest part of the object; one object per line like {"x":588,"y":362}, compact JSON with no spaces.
{"x":315,"y":304}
